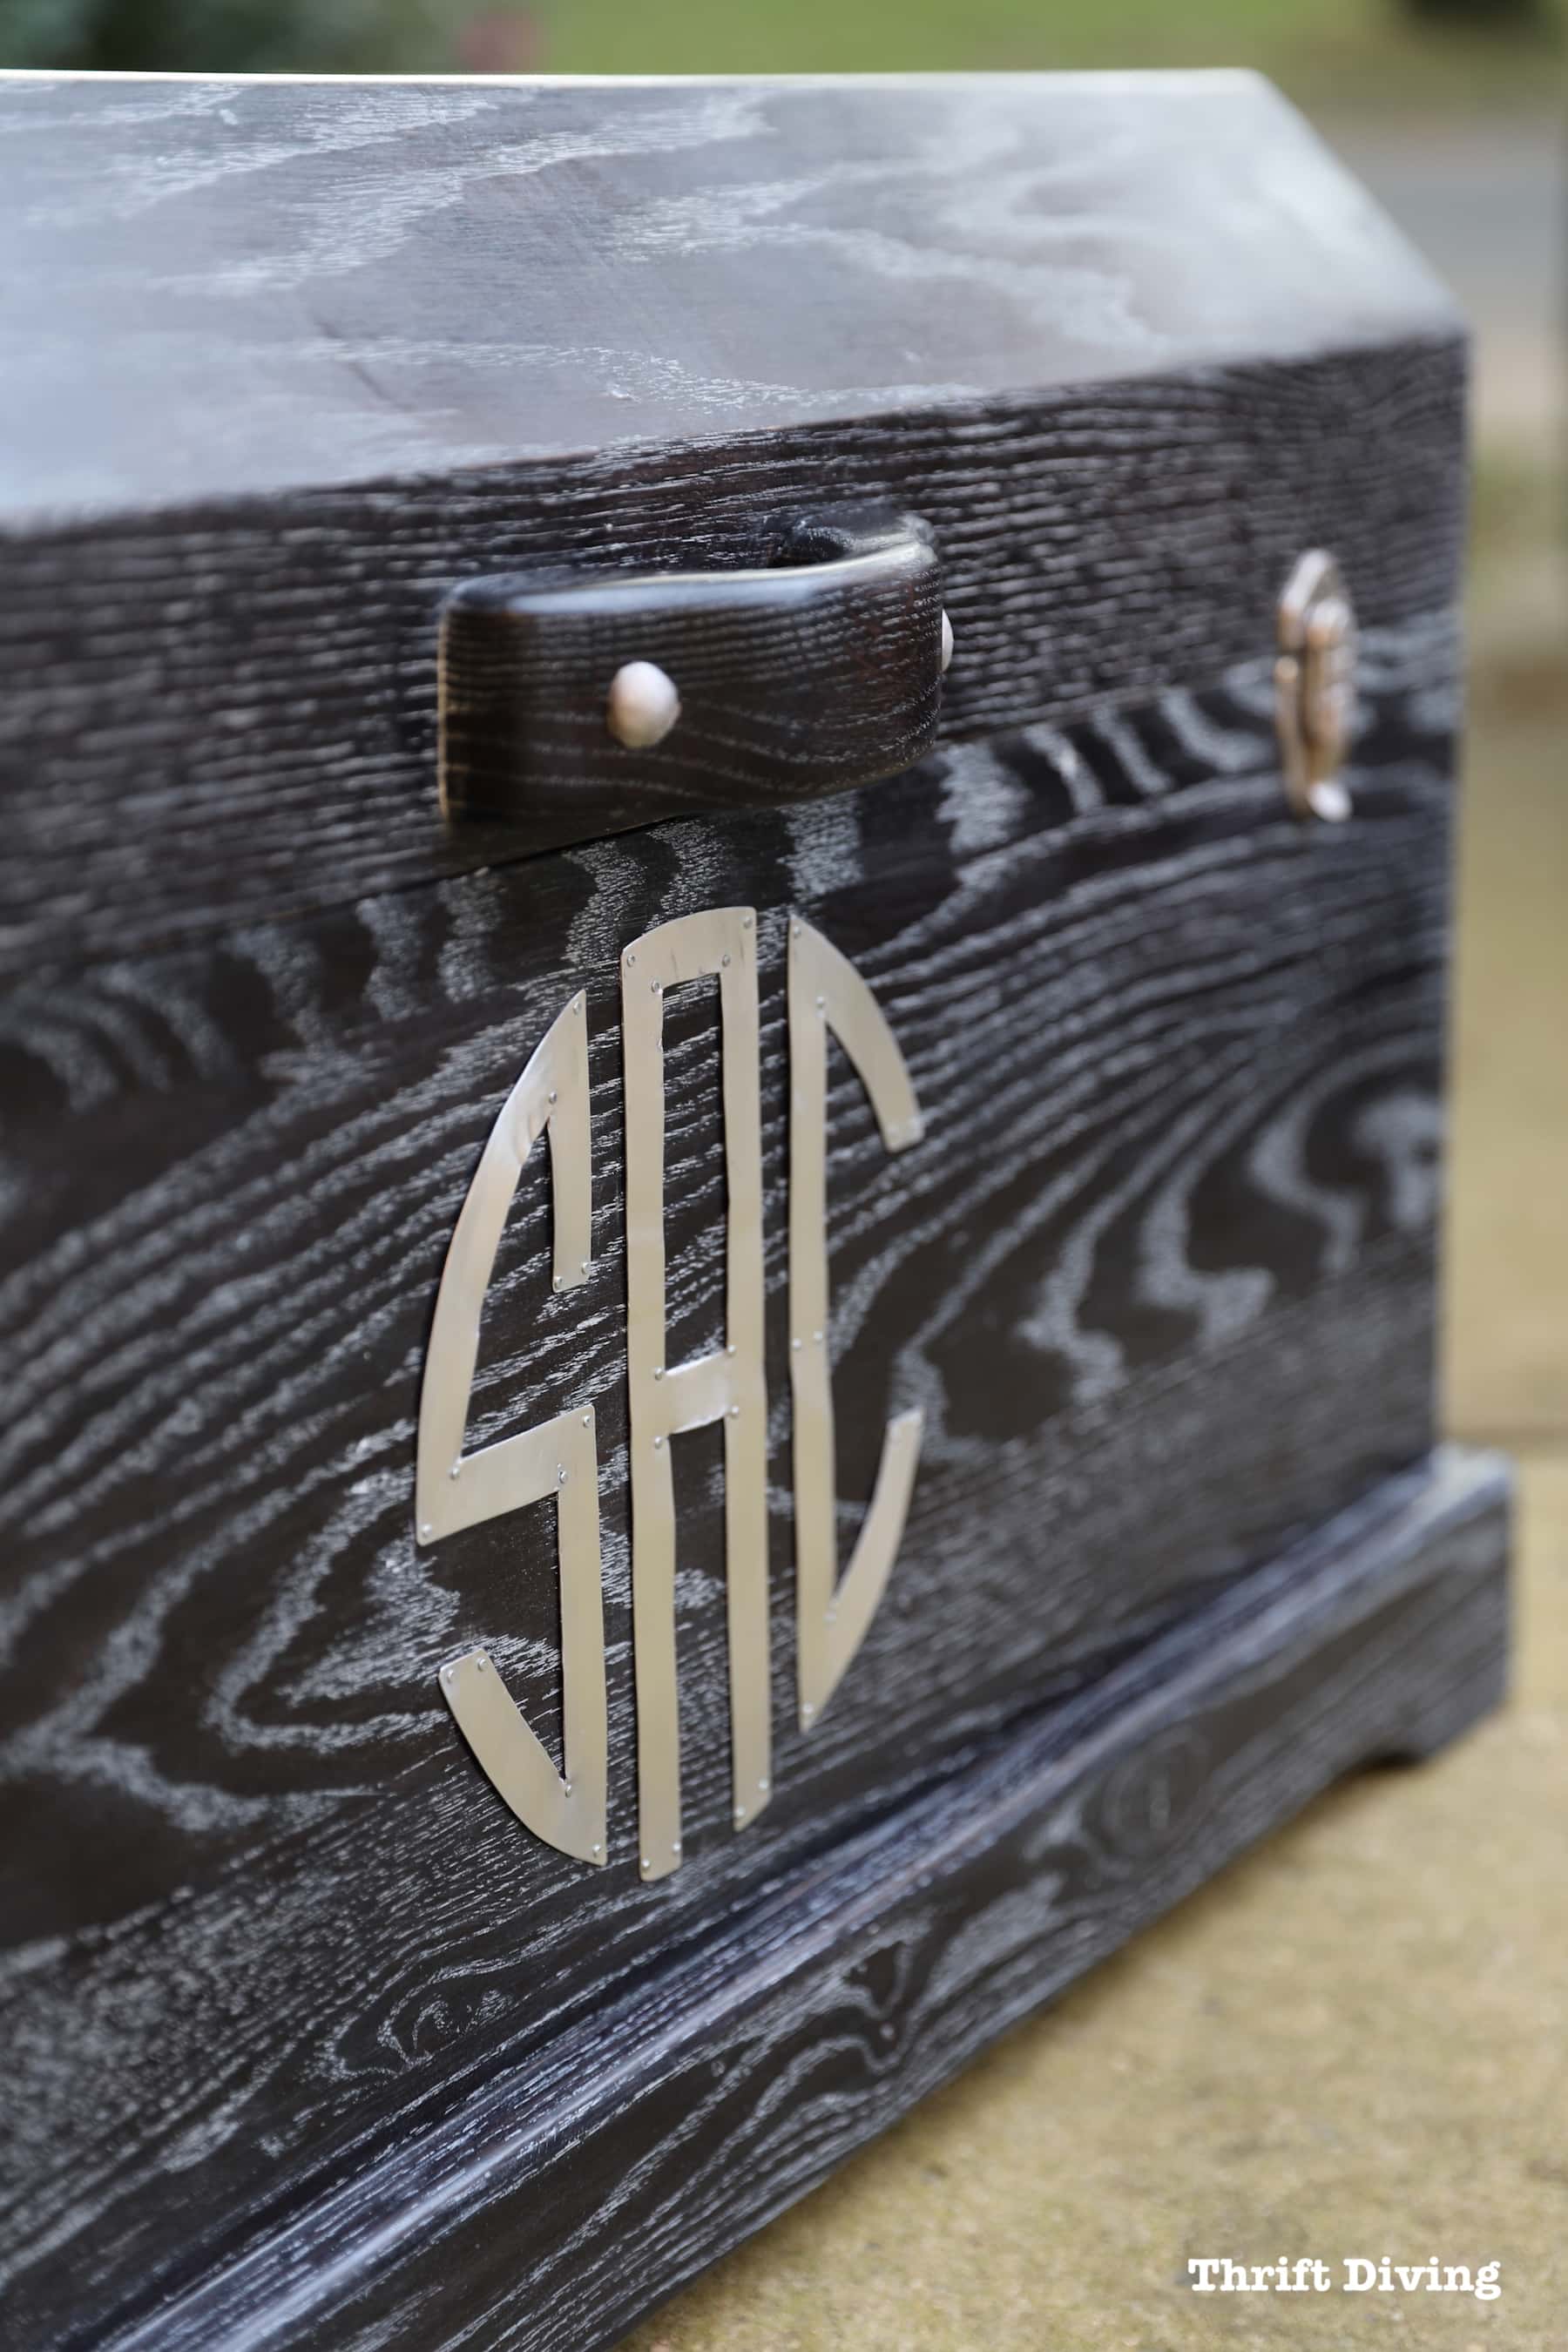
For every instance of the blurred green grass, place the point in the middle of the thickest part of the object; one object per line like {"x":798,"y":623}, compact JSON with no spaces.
{"x":1338,"y":55}
{"x":1331,"y":55}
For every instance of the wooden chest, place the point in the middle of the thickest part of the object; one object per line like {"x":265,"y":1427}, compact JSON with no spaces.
{"x":936,"y":1170}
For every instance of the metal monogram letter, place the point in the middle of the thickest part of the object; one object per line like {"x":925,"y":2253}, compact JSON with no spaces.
{"x":728,"y":1385}
{"x":827,"y":992}
{"x":558,"y":1459}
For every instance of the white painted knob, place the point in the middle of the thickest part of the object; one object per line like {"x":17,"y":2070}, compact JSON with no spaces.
{"x":946,"y":643}
{"x":643,"y":705}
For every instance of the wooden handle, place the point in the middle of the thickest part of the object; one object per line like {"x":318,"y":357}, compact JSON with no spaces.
{"x":759,"y":687}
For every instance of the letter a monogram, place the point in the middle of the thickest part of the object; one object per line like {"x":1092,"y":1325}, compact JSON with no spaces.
{"x":559,"y":1458}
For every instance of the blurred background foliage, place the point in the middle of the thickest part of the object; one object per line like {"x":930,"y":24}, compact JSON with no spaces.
{"x":1338,"y":53}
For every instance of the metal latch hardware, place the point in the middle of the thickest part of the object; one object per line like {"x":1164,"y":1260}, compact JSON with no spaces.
{"x":1314,"y":682}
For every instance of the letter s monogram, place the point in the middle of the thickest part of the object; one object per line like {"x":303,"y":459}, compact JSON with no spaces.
{"x":559,"y":1458}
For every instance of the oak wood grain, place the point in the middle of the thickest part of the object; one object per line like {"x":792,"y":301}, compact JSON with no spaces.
{"x":216,"y":288}
{"x":1161,"y":1278}
{"x":223,"y":715}
{"x":568,"y":2194}
{"x":282,"y":369}
{"x":820,"y":671}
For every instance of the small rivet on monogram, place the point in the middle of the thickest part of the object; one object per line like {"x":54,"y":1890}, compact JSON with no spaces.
{"x":559,"y":1475}
{"x":658,"y":987}
{"x":794,"y":930}
{"x":740,"y":1816}
{"x":762,"y":1788}
{"x":730,"y":1347}
{"x":583,"y":1263}
{"x":796,"y":1344}
{"x":552,"y":1096}
{"x":817,"y":1337}
{"x":807,"y":1714}
{"x":645,"y":1862}
{"x":456,"y":1470}
{"x":725,"y":962}
{"x":424,"y":1527}
{"x":643,"y":705}
{"x":630,"y":958}
{"x":675,"y":1846}
{"x":558,"y":1283}
{"x":588,"y":1418}
{"x":446,"y":1672}
{"x":734,"y":1411}
{"x":658,"y":1371}
{"x":745,"y":923}
{"x":597,"y":1848}
{"x":946,"y":644}
{"x":566,"y":1788}
{"x":820,"y":1002}
{"x":658,"y":1442}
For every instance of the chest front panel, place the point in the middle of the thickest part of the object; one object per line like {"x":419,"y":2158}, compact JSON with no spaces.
{"x":953,"y":1281}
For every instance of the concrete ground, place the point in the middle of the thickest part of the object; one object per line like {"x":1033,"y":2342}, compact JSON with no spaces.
{"x":1356,"y":2041}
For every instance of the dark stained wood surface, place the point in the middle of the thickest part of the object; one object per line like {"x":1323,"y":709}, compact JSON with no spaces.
{"x":218,"y":717}
{"x":281,"y":370}
{"x":221,"y":289}
{"x":804,"y":677}
{"x":1161,"y":1277}
{"x":566,"y":2194}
